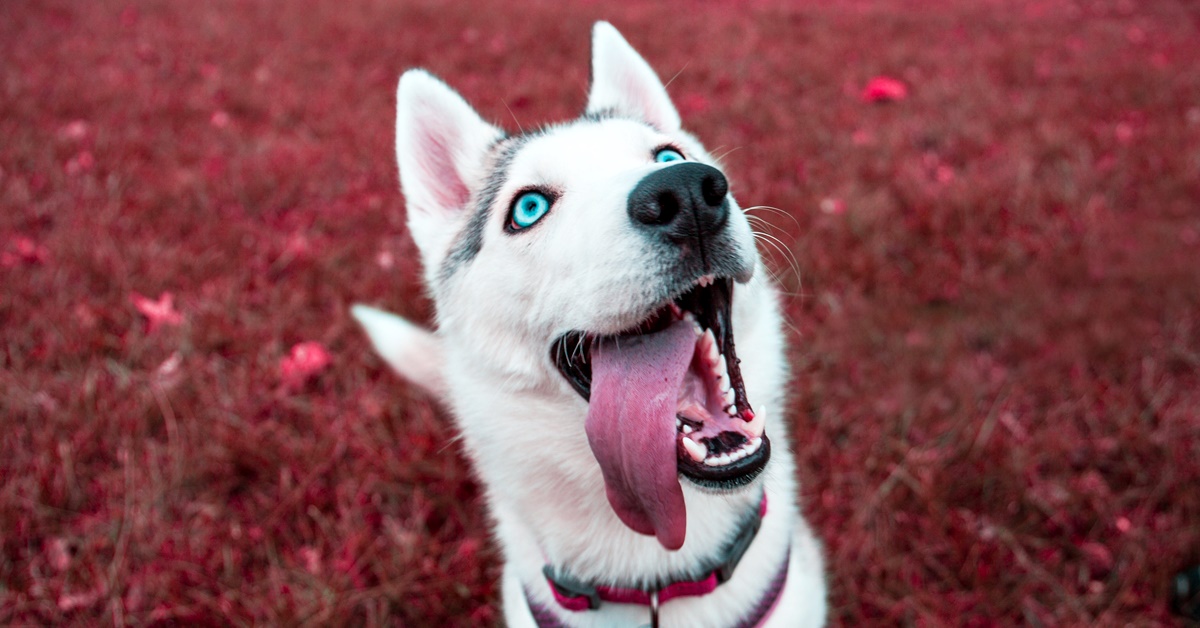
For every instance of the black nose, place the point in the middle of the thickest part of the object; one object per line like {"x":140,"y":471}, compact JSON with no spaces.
{"x":682,"y":202}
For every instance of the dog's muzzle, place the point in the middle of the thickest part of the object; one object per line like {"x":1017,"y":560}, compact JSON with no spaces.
{"x":683,"y":203}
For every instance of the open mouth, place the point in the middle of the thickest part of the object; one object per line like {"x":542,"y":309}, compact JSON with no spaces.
{"x":719,"y":440}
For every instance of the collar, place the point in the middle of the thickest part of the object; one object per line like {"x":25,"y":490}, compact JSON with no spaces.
{"x":576,"y":596}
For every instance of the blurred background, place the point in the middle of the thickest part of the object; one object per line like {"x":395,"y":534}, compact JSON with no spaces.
{"x":987,"y":226}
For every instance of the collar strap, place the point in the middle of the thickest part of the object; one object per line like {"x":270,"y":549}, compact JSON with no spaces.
{"x":575,"y":595}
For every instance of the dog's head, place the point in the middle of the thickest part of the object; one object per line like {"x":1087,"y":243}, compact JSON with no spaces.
{"x":595,"y":260}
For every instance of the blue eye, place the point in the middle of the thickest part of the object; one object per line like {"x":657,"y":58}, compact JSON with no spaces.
{"x":528,"y":209}
{"x":667,"y":155}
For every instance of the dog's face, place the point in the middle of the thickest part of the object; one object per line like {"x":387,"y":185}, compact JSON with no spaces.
{"x":594,"y":262}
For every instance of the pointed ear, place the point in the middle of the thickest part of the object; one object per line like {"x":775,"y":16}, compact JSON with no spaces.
{"x":414,"y":353}
{"x":623,"y":82}
{"x":441,"y":144}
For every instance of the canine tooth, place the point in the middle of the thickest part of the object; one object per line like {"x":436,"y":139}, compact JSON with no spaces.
{"x":694,"y":449}
{"x":755,"y":427}
{"x":713,"y":352}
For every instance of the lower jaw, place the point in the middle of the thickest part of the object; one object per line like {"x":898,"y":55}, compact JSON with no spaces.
{"x":730,"y":477}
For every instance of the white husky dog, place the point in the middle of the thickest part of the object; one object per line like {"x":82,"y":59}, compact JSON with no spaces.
{"x":590,"y":278}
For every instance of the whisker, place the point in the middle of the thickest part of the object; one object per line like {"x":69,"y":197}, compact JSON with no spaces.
{"x":514,"y":116}
{"x":685,"y":65}
{"x":773,"y":210}
{"x":778,"y":245}
{"x":782,"y":247}
{"x":726,"y":153}
{"x":579,"y":349}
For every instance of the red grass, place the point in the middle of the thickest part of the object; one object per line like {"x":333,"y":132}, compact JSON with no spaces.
{"x":995,"y":301}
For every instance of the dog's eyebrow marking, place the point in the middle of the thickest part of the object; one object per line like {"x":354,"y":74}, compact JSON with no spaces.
{"x":469,"y":242}
{"x":599,"y":115}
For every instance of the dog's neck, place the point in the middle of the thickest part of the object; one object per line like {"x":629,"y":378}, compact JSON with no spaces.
{"x":577,"y":596}
{"x":698,"y":582}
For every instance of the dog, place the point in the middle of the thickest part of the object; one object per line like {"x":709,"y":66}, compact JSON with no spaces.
{"x":589,"y":280}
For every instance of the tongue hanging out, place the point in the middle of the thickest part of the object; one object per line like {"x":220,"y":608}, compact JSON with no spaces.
{"x":631,"y":427}
{"x":663,"y":402}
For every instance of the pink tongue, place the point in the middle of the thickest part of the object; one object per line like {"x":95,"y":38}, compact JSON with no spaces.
{"x":631,"y":427}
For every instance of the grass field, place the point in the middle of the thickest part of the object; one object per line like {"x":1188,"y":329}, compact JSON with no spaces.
{"x":993,"y":295}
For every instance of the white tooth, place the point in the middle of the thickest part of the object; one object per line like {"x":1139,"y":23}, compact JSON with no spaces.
{"x":727,"y":395}
{"x":687,"y":429}
{"x":697,"y":328}
{"x":724,"y":459}
{"x":737,"y":455}
{"x":694,"y":449}
{"x":755,"y":427}
{"x":722,"y":367}
{"x":678,"y":423}
{"x":755,"y":444}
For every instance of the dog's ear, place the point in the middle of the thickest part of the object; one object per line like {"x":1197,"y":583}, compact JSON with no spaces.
{"x":413,"y":352}
{"x":622,"y":82}
{"x":440,"y":146}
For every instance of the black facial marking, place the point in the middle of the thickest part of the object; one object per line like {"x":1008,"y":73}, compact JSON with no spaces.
{"x":599,"y":115}
{"x":469,"y":242}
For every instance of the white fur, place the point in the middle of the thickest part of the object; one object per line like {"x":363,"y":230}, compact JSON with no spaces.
{"x":583,"y":266}
{"x":413,"y":352}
